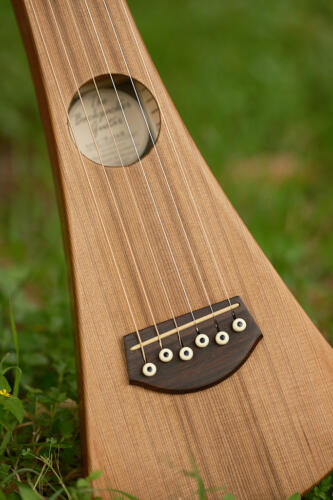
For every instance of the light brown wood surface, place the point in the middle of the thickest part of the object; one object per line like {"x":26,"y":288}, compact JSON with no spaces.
{"x":266,"y":431}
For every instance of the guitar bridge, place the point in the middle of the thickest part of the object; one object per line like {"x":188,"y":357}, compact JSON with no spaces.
{"x":194,"y":351}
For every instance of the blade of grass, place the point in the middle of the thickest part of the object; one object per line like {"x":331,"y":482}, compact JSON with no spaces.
{"x":17,"y":379}
{"x":201,"y":492}
{"x":14,"y":332}
{"x":14,"y":474}
{"x":56,"y":494}
{"x":4,"y":442}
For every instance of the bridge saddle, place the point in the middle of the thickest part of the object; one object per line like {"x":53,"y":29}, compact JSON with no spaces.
{"x":212,"y":348}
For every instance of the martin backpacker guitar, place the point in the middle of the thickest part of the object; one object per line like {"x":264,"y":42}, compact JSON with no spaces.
{"x":189,"y":344}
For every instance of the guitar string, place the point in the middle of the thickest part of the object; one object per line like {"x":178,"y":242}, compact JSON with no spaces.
{"x":155,"y":147}
{"x":89,"y":183}
{"x":222,"y":282}
{"x":74,"y":136}
{"x":107,"y":179}
{"x":204,"y":232}
{"x":126,"y":174}
{"x":146,"y":179}
{"x":176,"y":153}
{"x":78,"y":91}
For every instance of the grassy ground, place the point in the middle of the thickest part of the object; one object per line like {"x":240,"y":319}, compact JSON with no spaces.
{"x":254,"y":83}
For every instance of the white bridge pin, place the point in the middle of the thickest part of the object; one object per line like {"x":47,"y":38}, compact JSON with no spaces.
{"x":165,"y":355}
{"x":186,"y":353}
{"x":222,"y":338}
{"x":239,"y":325}
{"x":201,"y":340}
{"x":149,"y":369}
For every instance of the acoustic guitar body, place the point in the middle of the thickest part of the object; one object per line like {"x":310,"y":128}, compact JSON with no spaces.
{"x":263,"y":428}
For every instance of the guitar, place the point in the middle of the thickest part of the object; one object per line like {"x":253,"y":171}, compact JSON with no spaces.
{"x":188,"y":341}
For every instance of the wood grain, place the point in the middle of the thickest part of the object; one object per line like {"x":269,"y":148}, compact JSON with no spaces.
{"x":266,"y":431}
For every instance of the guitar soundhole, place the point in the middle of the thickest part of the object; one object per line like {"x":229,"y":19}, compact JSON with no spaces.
{"x":199,"y":354}
{"x":114,"y":120}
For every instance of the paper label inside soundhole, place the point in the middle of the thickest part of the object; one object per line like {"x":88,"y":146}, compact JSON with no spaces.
{"x":114,"y":128}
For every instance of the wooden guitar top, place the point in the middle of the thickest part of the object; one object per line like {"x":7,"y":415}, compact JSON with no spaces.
{"x":266,"y":430}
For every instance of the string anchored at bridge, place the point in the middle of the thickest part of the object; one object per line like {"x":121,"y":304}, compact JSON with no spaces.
{"x":213,"y":346}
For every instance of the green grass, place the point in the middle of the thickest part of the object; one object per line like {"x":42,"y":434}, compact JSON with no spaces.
{"x":254,"y":84}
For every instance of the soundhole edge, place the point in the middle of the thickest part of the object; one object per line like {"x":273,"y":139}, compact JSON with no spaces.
{"x":114,"y":120}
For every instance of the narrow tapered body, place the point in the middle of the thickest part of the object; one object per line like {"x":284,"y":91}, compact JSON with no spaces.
{"x":266,"y":431}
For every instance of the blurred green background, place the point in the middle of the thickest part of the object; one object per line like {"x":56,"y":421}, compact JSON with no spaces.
{"x":253,"y":82}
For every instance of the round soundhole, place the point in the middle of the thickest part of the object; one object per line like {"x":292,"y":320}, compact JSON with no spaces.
{"x":114,"y":123}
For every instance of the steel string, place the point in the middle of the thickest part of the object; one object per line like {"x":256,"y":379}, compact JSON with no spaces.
{"x":107,"y":179}
{"x":89,"y":183}
{"x":126,"y":174}
{"x":141,"y":165}
{"x":204,"y":232}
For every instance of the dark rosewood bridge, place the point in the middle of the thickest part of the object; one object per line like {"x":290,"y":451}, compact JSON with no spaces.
{"x":212,"y":347}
